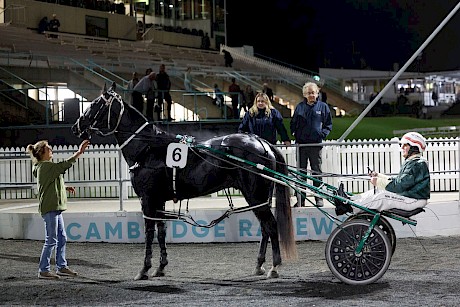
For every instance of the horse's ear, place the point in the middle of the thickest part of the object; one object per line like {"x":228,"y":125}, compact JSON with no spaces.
{"x":114,"y":86}
{"x":104,"y":89}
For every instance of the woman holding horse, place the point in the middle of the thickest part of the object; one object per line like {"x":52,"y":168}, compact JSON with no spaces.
{"x":52,"y":202}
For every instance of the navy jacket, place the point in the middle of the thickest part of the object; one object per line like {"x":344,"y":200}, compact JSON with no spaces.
{"x":311,"y":124}
{"x":264,"y":126}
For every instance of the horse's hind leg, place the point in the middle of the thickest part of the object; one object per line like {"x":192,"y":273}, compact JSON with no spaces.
{"x":269,"y":230}
{"x":149,"y":235}
{"x":163,"y":255}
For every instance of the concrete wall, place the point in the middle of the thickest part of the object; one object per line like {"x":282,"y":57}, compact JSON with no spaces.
{"x":72,"y":19}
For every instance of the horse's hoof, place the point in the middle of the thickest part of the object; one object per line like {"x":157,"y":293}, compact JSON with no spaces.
{"x":259,"y":271}
{"x":158,"y":273}
{"x":273,"y":274}
{"x":141,"y":276}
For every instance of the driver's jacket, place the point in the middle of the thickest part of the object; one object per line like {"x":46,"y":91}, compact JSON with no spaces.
{"x":413,"y":179}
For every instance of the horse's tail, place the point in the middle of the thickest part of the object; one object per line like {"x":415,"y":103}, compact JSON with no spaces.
{"x":284,"y":212}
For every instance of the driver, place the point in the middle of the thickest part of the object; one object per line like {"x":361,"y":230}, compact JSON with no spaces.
{"x":410,"y":189}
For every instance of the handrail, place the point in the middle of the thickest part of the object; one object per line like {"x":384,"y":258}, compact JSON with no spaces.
{"x":93,"y":71}
{"x":14,"y":7}
{"x":124,"y":83}
{"x":300,"y":77}
{"x":47,"y":102}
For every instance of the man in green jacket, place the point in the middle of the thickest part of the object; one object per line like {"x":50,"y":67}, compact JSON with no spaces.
{"x":52,"y":199}
{"x":410,"y":189}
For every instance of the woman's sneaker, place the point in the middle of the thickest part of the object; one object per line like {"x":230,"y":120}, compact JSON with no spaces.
{"x":66,"y":272}
{"x":48,"y":275}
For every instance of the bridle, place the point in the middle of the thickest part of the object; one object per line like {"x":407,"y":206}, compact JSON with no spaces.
{"x":107,"y":103}
{"x":98,"y":117}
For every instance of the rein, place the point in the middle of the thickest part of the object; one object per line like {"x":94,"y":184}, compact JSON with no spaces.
{"x":133,"y":135}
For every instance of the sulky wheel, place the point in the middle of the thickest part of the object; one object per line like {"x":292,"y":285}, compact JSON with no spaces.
{"x":383,"y":224}
{"x":358,"y":268}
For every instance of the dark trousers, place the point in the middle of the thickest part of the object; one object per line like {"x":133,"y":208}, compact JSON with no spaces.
{"x":311,"y":155}
{"x":167,"y":97}
{"x":150,"y":104}
{"x":138,"y":101}
{"x":236,"y":114}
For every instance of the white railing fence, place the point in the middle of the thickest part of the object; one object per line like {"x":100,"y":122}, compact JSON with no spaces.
{"x":103,"y":173}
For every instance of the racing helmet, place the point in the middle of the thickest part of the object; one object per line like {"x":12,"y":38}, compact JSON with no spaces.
{"x":414,"y":139}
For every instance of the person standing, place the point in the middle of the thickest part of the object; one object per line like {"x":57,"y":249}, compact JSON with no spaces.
{"x":228,"y":58}
{"x":52,"y":202}
{"x":164,"y":86}
{"x":54,"y":25}
{"x":311,"y":124}
{"x":142,"y":88}
{"x":268,"y":91}
{"x":235,"y":91}
{"x":188,"y":79}
{"x":43,"y":25}
{"x":249,"y":96}
{"x":265,"y":121}
{"x":218,"y":96}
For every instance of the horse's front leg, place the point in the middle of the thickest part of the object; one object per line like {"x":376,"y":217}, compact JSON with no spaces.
{"x":149,"y":235}
{"x":259,"y":270}
{"x":161,"y":227}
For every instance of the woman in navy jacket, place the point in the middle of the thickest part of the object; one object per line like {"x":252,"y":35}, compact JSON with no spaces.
{"x":264,"y":120}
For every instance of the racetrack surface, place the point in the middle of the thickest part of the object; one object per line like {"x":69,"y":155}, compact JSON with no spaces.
{"x":423,"y":272}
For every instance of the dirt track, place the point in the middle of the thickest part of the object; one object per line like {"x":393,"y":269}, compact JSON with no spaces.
{"x":220,"y":275}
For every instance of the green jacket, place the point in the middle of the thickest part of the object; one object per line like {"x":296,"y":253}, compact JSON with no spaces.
{"x":52,"y":195}
{"x":413,"y":179}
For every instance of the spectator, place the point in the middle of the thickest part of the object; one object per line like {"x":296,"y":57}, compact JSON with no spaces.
{"x":43,"y":25}
{"x":52,"y":200}
{"x":249,"y":96}
{"x":268,"y":91}
{"x":311,"y":124}
{"x":219,"y":96}
{"x":264,"y":120}
{"x":188,"y":79}
{"x":228,"y":58}
{"x":142,"y":88}
{"x":235,"y":92}
{"x":54,"y":25}
{"x":205,"y":42}
{"x":434,"y":96}
{"x":164,"y":85}
{"x":410,"y":189}
{"x":322,"y":96}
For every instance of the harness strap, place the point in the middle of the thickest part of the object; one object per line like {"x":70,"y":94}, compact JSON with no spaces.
{"x":189,"y":219}
{"x":133,"y":135}
{"x":174,"y":184}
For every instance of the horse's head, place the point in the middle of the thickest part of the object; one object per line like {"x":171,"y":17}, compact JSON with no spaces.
{"x":102,"y":116}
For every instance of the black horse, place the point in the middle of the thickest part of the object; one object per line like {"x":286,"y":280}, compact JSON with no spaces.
{"x":144,"y":147}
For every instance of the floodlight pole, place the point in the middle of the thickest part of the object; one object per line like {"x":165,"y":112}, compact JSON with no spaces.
{"x":373,"y":102}
{"x":225,"y":22}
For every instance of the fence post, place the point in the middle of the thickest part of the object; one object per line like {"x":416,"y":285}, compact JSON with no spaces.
{"x":120,"y":177}
{"x":395,"y":164}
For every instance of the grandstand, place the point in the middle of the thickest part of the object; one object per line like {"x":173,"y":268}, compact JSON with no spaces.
{"x":30,"y":61}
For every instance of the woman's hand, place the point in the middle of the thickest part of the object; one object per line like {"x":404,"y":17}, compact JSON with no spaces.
{"x":83,"y":146}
